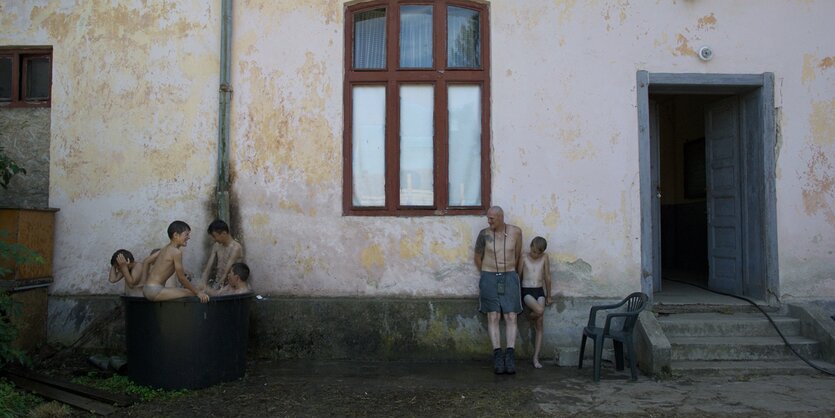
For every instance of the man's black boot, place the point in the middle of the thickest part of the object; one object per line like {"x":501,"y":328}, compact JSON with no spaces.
{"x":510,"y":361}
{"x":498,"y":361}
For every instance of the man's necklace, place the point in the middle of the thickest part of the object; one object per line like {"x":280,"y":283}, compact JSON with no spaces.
{"x":504,"y":250}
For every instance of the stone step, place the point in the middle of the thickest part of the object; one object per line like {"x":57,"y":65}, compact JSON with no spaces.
{"x":739,"y":324}
{"x":740,"y":348}
{"x":680,"y":308}
{"x":748,"y":368}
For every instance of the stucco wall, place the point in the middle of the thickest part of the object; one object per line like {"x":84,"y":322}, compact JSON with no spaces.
{"x":133,"y":138}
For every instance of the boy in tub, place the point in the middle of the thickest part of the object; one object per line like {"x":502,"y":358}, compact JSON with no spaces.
{"x":168,"y":262}
{"x":236,"y":281}
{"x":226,"y":251}
{"x":123,"y":266}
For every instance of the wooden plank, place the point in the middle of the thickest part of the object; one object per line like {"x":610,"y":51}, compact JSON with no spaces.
{"x":69,"y":398}
{"x":86,"y":391}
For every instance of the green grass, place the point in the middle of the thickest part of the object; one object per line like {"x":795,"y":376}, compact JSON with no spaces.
{"x":15,"y":403}
{"x":121,"y":384}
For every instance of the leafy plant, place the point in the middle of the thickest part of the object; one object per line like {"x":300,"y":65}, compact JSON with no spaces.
{"x":15,"y":403}
{"x":8,"y":331}
{"x":8,"y":169}
{"x":20,"y":255}
{"x":121,"y":384}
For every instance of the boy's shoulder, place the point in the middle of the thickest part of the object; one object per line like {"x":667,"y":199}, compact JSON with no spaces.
{"x":169,"y":250}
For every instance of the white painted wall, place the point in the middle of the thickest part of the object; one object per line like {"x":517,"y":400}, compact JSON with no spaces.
{"x":134,"y":137}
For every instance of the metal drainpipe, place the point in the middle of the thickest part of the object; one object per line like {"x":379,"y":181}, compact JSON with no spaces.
{"x":222,"y":190}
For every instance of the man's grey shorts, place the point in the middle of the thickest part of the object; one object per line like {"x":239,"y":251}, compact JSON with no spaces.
{"x":491,"y":301}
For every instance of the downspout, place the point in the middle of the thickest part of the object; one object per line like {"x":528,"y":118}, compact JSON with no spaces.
{"x":222,"y":189}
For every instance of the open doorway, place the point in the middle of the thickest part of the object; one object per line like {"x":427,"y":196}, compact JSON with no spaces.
{"x":683,"y":186}
{"x":708,"y":216}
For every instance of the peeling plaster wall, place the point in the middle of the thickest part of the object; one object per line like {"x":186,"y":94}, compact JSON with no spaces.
{"x":134,"y":137}
{"x":134,"y":99}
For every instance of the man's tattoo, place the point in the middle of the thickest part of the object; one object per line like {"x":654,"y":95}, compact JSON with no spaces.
{"x":481,"y":242}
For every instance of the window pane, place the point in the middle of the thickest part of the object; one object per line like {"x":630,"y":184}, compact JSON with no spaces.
{"x":38,"y":73}
{"x":417,"y":105}
{"x":463,"y":46}
{"x":370,"y":39}
{"x":464,"y":145}
{"x":416,"y":37}
{"x":5,"y":79}
{"x":369,"y":150}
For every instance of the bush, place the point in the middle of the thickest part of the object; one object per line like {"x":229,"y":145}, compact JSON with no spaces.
{"x":20,"y":254}
{"x":14,"y":403}
{"x":8,"y":169}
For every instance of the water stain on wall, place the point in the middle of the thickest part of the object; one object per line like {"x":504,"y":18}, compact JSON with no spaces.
{"x":707,"y":22}
{"x":565,"y":8}
{"x":411,"y":245}
{"x":329,"y":11}
{"x":457,"y":248}
{"x":621,"y":7}
{"x":126,"y":47}
{"x":683,"y":47}
{"x":818,"y":190}
{"x":372,"y":256}
{"x":285,"y":137}
{"x":812,"y":65}
{"x":822,"y":123}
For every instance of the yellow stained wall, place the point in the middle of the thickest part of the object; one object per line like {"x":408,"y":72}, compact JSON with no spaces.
{"x":134,"y":137}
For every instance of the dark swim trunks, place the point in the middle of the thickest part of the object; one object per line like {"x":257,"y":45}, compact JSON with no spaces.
{"x":489,"y":298}
{"x":536,"y":292}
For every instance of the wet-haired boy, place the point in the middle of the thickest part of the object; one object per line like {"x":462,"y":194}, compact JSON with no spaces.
{"x":236,"y":281}
{"x":168,"y":262}
{"x":225,"y":252}
{"x":123,"y":266}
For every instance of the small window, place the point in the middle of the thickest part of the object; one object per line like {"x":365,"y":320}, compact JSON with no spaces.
{"x":417,"y":108}
{"x":25,"y":77}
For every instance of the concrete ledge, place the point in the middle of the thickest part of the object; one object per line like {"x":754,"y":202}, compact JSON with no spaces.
{"x":411,"y":329}
{"x":817,"y":325}
{"x":652,"y":346}
{"x":348,"y":328}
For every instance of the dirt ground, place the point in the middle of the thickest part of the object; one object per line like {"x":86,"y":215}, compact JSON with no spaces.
{"x":470,"y":389}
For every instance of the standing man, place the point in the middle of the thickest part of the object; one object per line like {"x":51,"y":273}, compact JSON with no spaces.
{"x":498,"y":250}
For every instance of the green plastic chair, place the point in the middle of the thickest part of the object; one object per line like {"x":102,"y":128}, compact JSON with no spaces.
{"x":621,"y":334}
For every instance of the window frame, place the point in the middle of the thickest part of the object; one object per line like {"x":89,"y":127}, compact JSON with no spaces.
{"x":392,"y":76}
{"x":21,"y":56}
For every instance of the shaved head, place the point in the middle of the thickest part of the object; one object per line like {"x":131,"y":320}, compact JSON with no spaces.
{"x":495,"y":217}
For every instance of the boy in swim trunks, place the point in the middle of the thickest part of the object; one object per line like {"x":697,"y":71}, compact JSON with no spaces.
{"x":536,"y":274}
{"x":497,"y":252}
{"x":226,"y":251}
{"x":123,"y":266}
{"x":170,"y":261}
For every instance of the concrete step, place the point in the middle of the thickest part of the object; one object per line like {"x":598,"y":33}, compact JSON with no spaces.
{"x":740,"y":348}
{"x":681,"y":308}
{"x":748,"y":368}
{"x":738,"y":324}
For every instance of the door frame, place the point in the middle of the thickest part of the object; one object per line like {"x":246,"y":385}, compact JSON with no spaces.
{"x":759,"y":167}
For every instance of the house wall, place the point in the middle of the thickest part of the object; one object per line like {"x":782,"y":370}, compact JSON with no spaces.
{"x":133,"y":138}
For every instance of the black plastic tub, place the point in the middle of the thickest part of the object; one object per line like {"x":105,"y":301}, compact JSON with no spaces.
{"x":185,"y":344}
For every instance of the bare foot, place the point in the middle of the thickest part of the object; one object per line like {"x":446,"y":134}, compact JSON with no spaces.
{"x":537,"y":364}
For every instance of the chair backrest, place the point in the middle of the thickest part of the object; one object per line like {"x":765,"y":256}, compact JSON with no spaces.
{"x":634,"y":303}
